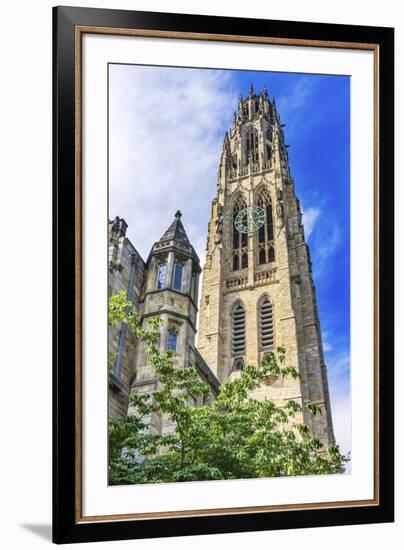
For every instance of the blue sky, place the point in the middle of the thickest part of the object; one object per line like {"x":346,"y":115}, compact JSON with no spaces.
{"x":166,"y":131}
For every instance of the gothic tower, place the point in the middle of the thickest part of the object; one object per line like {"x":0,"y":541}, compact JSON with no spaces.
{"x":257,"y":290}
{"x":170,"y":291}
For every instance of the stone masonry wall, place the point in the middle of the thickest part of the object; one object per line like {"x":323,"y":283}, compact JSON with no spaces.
{"x":123,"y":258}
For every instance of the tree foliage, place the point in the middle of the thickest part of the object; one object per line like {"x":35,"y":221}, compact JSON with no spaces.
{"x":236,"y":437}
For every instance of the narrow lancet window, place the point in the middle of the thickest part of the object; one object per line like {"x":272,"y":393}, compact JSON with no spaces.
{"x":239,"y":240}
{"x":244,"y":260}
{"x":177,"y":282}
{"x":265,"y":241}
{"x":161,"y":276}
{"x":172,"y":340}
{"x":251,"y":146}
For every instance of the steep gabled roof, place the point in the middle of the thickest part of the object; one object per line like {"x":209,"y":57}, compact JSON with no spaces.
{"x":176,"y":232}
{"x":175,"y":236}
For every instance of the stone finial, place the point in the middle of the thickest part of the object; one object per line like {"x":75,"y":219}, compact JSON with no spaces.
{"x":115,"y":224}
{"x":251,"y":90}
{"x":119,"y":227}
{"x":178,"y":214}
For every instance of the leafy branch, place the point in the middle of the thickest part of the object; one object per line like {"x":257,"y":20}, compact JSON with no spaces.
{"x":238,"y":436}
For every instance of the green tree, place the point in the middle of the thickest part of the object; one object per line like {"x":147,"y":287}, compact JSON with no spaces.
{"x":236,"y":437}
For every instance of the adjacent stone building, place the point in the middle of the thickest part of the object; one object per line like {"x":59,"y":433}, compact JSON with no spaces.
{"x":257,"y":286}
{"x":165,"y":286}
{"x":126,"y":271}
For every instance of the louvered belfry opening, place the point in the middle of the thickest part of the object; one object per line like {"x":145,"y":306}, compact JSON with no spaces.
{"x":266,"y":324}
{"x":239,"y":330}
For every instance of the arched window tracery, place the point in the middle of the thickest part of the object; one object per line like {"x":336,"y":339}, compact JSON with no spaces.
{"x":265,"y":237}
{"x":239,"y":240}
{"x":251,"y":146}
{"x":238,"y":330}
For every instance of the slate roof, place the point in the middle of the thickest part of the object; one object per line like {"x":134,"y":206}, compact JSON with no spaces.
{"x":176,"y":231}
{"x":176,"y":236}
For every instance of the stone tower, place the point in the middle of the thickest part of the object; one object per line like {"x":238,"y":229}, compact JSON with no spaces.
{"x":170,"y":290}
{"x":257,"y":291}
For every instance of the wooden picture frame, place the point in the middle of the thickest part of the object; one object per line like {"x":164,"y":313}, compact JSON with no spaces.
{"x":70,"y":24}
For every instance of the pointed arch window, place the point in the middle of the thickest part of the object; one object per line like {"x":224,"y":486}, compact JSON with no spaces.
{"x":244,"y":260}
{"x":238,"y":330}
{"x":172,"y":337}
{"x":161,"y":276}
{"x":269,"y":154}
{"x":251,"y":146}
{"x":238,"y":364}
{"x":265,"y":241}
{"x":177,"y":277}
{"x":266,"y":323}
{"x":240,"y":240}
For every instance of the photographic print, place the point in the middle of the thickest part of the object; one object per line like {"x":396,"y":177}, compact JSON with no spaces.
{"x":223,"y":280}
{"x":228,"y":274}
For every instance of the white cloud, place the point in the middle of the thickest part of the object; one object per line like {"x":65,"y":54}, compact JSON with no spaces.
{"x":310,"y":216}
{"x":297,"y":96}
{"x":340,"y":366}
{"x":340,"y":396}
{"x":341,"y":416}
{"x":329,"y":243}
{"x":166,"y":130}
{"x":326,"y":345}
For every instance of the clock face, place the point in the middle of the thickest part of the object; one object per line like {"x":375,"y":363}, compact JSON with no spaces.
{"x":250,"y":219}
